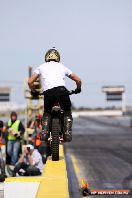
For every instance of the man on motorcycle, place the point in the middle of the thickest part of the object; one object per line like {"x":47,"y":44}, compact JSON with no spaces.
{"x":52,"y":74}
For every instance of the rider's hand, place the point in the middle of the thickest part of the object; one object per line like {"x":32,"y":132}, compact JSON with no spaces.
{"x":77,"y":90}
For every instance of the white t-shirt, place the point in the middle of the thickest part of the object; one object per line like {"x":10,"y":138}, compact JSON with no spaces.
{"x":37,"y":160}
{"x":52,"y":74}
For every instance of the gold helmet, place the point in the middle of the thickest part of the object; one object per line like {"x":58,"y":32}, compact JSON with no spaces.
{"x":52,"y":55}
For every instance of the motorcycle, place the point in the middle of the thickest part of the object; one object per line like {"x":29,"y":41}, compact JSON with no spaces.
{"x":56,"y":129}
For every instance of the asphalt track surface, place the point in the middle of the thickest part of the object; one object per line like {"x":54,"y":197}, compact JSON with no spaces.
{"x":103,"y":155}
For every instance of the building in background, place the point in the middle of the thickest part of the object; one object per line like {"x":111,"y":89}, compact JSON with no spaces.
{"x":6,"y":105}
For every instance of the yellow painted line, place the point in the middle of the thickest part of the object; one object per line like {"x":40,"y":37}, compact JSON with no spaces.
{"x":55,"y":182}
{"x":76,"y":169}
{"x":75,"y":165}
{"x":24,"y":179}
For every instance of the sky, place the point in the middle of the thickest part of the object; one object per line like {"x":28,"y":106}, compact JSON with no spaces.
{"x":94,"y":38}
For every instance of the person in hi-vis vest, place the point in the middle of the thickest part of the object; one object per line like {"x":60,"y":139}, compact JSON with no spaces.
{"x":15,"y":132}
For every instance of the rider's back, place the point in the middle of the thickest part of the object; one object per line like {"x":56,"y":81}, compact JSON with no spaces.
{"x":52,"y":74}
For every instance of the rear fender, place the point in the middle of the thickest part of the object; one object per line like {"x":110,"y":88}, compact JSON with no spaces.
{"x":56,"y":110}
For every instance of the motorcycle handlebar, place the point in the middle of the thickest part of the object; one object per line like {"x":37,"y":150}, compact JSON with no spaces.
{"x":69,"y":93}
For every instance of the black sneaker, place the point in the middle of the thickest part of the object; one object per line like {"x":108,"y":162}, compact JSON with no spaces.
{"x":2,"y":177}
{"x":67,"y":136}
{"x":21,"y":173}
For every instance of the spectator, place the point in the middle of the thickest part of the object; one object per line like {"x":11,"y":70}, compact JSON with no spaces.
{"x":42,"y":146}
{"x":15,"y":133}
{"x":30,"y":161}
{"x":36,"y":137}
{"x":2,"y":163}
{"x":29,"y":132}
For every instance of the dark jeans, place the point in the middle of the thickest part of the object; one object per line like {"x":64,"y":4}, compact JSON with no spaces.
{"x":29,"y":170}
{"x":2,"y":164}
{"x":57,"y":95}
{"x":13,"y":148}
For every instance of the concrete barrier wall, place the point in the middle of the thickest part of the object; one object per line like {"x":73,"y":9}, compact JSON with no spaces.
{"x":97,"y":113}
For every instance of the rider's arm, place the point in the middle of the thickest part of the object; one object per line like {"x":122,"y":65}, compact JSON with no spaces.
{"x":74,"y":77}
{"x":31,"y":80}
